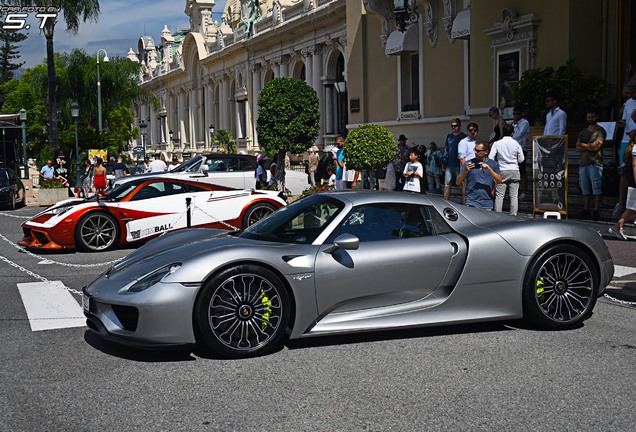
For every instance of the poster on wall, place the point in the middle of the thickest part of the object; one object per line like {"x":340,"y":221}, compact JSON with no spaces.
{"x":550,"y":173}
{"x":508,"y":65}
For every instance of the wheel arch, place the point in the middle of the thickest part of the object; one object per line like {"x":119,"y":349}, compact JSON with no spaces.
{"x":574,"y":243}
{"x":290,"y":292}
{"x":90,"y":211}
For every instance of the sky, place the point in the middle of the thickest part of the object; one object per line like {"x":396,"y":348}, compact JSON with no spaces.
{"x":119,"y":26}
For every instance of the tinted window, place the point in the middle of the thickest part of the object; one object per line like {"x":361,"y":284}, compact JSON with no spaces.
{"x":158,"y":189}
{"x":375,"y":222}
{"x":300,"y":222}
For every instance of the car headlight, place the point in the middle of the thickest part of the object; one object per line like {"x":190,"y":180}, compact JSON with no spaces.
{"x":60,"y":210}
{"x":154,"y":277}
{"x":5,"y":189}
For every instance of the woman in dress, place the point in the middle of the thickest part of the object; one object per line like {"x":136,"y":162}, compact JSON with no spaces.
{"x":99,"y":178}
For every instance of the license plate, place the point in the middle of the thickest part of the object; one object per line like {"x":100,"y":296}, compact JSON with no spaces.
{"x":86,"y":303}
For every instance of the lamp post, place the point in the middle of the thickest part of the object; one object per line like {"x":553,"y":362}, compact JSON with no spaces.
{"x":99,"y":90}
{"x":23,"y":119}
{"x":211,"y":129}
{"x":405,"y":13}
{"x":142,"y":130}
{"x":75,"y":115}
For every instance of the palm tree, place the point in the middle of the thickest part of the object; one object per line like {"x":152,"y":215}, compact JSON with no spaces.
{"x":74,"y":11}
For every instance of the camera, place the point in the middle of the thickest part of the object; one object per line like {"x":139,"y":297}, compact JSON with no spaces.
{"x":477,"y":162}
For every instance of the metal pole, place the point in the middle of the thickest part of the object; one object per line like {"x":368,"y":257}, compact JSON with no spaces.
{"x":99,"y":98}
{"x":24,"y":151}
{"x":77,"y":161}
{"x":188,"y":214}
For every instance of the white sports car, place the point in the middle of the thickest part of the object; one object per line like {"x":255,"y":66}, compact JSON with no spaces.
{"x":143,"y":208}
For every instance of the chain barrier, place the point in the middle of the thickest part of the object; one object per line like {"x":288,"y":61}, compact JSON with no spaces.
{"x":623,"y":302}
{"x":21,"y":249}
{"x":14,"y":216}
{"x":233,"y":228}
{"x":36,"y":276}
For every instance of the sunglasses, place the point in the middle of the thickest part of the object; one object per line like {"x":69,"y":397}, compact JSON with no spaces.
{"x":479,"y":150}
{"x":472,"y":130}
{"x":454,"y":125}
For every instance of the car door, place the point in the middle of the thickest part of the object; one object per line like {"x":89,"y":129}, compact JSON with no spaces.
{"x":155,"y":208}
{"x":399,"y":259}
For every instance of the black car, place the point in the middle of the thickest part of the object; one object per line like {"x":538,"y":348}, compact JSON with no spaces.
{"x":12,"y":192}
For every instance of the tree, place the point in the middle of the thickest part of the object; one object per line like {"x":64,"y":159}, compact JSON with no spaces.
{"x":576,"y":92}
{"x":369,"y":147}
{"x":8,"y":53}
{"x":74,"y":11}
{"x":288,"y":119}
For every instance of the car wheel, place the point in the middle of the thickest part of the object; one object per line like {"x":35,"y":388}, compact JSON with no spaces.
{"x":257,"y":212}
{"x":242,"y":312}
{"x":560,"y":289}
{"x":97,"y":232}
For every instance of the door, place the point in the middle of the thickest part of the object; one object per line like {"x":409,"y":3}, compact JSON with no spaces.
{"x":399,"y":259}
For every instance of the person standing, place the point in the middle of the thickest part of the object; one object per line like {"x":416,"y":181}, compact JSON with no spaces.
{"x":99,"y":177}
{"x":480,"y":174}
{"x":175,"y":163}
{"x":589,"y":145}
{"x":261,"y":172}
{"x":313,"y":165}
{"x":120,"y":169}
{"x":147,"y":165}
{"x":508,"y":154}
{"x":413,"y":172}
{"x":521,"y":135}
{"x":494,"y":114}
{"x":556,"y":120}
{"x":400,"y":161}
{"x":452,"y":165}
{"x":630,"y":204}
{"x":339,"y":162}
{"x":434,"y":167}
{"x":628,"y":123}
{"x":158,"y":165}
{"x":47,"y":172}
{"x":466,"y":151}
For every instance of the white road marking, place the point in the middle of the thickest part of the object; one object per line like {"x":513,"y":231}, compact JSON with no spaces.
{"x":45,"y":262}
{"x":620,"y":271}
{"x":50,"y":306}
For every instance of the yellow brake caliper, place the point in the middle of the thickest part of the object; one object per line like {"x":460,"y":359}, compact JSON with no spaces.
{"x":540,"y":289}
{"x":267,"y":311}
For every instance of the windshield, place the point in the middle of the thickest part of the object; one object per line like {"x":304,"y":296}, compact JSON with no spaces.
{"x":121,"y":191}
{"x":301,"y":222}
{"x":190,"y":166}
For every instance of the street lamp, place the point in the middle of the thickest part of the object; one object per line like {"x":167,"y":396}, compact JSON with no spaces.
{"x":23,"y":119}
{"x":75,"y":115}
{"x":212,"y":140}
{"x":405,"y":13}
{"x":99,"y":90}
{"x":142,"y":129}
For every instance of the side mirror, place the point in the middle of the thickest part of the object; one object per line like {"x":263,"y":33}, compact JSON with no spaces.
{"x":204,"y":169}
{"x":344,"y":241}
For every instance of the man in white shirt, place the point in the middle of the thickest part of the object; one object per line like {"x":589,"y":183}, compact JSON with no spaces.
{"x":521,"y":135}
{"x":158,"y":165}
{"x":508,"y":154}
{"x":556,"y":120}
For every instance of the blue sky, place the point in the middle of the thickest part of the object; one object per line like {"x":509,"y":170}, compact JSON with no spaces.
{"x":118,"y":28}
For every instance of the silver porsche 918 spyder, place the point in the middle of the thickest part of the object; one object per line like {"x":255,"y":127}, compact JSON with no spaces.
{"x":348,"y":262}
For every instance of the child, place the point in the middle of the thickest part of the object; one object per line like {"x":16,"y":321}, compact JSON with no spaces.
{"x":413,"y":172}
{"x":331,"y":176}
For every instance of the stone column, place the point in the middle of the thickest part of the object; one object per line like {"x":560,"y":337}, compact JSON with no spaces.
{"x":192,"y":138}
{"x":318,"y":86}
{"x":256,"y":91}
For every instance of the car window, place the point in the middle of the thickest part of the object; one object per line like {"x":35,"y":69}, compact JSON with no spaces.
{"x":158,"y":189}
{"x":244,"y":165}
{"x":217,"y":165}
{"x":300,"y":222}
{"x":387,"y":221}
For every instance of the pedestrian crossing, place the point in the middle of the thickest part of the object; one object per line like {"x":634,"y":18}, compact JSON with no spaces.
{"x":49,"y":305}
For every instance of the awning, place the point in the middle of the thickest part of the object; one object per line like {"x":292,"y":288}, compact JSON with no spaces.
{"x":461,"y":25}
{"x":398,"y":41}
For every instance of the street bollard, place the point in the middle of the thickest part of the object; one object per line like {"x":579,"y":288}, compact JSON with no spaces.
{"x":188,"y":214}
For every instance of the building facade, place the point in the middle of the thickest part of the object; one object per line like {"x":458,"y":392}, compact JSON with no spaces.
{"x":451,"y":58}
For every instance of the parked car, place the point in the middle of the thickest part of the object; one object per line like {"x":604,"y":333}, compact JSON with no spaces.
{"x":347,"y":262}
{"x":144,"y":208}
{"x":231,"y":170}
{"x":12,"y":192}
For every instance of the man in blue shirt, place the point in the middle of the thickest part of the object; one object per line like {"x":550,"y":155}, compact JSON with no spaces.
{"x":339,"y":159}
{"x":480,"y":174}
{"x":452,"y":146}
{"x":47,"y":172}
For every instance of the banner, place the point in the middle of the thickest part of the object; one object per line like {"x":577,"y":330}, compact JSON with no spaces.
{"x":99,"y":153}
{"x":550,"y":173}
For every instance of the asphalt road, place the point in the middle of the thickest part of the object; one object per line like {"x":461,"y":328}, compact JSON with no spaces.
{"x":500,"y":376}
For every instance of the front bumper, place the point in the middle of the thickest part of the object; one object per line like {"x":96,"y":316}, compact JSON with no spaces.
{"x":160,"y":316}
